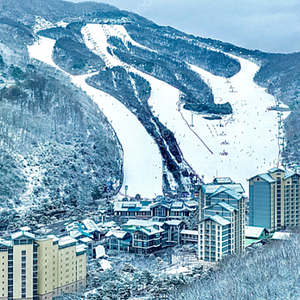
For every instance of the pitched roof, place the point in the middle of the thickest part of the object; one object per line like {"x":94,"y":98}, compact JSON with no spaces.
{"x":73,"y":226}
{"x":53,"y":237}
{"x":18,"y":234}
{"x":25,"y":228}
{"x":264,"y":176}
{"x":289,"y":174}
{"x":281,"y":236}
{"x":218,"y":219}
{"x":6,"y":243}
{"x":227,"y":206}
{"x":85,"y":240}
{"x":174,"y":222}
{"x":223,"y":180}
{"x":119,"y":234}
{"x":191,"y":203}
{"x":160,"y":204}
{"x":273,"y":170}
{"x":253,"y":231}
{"x":66,"y":240}
{"x":89,"y":224}
{"x":149,"y":230}
{"x":177,"y":205}
{"x":107,"y":224}
{"x":100,"y":251}
{"x":229,"y":192}
{"x":79,"y":232}
{"x":81,"y":248}
{"x":105,"y":264}
{"x":211,"y":188}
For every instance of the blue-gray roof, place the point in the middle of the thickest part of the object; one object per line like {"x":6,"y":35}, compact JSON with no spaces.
{"x":218,"y":219}
{"x":149,"y":230}
{"x":191,"y":203}
{"x":265,"y":177}
{"x":130,"y":206}
{"x":229,"y":192}
{"x":289,"y":174}
{"x":223,"y":204}
{"x":223,"y":180}
{"x":272,"y":170}
{"x":5,"y":243}
{"x":212,"y":188}
{"x":227,"y":206}
{"x":18,"y":234}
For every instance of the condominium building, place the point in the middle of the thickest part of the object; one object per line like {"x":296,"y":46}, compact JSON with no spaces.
{"x":215,"y":241}
{"x":222,"y":219}
{"x":40,"y":268}
{"x":274,"y":199}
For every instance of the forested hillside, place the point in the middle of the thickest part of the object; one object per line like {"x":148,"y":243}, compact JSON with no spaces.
{"x":44,"y":115}
{"x":56,"y":146}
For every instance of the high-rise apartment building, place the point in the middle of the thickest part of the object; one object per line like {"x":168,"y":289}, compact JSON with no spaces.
{"x":274,"y":199}
{"x":34,"y":268}
{"x":222,"y":219}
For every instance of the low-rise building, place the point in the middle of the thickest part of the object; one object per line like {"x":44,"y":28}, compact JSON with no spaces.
{"x":254,"y":234}
{"x":189,"y":236}
{"x":132,"y":209}
{"x":118,"y":240}
{"x":148,"y":239}
{"x":174,"y":227}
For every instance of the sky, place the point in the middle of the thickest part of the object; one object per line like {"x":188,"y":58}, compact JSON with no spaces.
{"x":270,"y":26}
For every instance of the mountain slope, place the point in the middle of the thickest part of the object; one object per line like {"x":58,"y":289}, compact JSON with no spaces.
{"x":57,"y":146}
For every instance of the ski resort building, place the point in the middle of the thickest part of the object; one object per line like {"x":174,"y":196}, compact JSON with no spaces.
{"x":274,"y":199}
{"x":222,"y":219}
{"x":163,"y":210}
{"x":40,"y":268}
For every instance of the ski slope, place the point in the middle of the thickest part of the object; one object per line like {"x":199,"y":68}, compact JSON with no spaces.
{"x":142,"y":164}
{"x":240,"y":145}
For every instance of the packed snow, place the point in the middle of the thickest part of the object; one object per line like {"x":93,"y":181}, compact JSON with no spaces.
{"x":240,"y":145}
{"x":142,"y":175}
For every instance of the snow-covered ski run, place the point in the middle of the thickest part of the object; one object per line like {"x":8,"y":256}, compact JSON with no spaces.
{"x":240,"y":145}
{"x":142,"y":161}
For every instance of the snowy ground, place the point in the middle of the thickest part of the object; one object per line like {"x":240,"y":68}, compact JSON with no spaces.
{"x":239,"y":146}
{"x":142,"y":161}
{"x":249,"y":136}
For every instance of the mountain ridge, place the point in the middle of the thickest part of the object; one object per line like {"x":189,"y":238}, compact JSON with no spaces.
{"x":29,"y":86}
